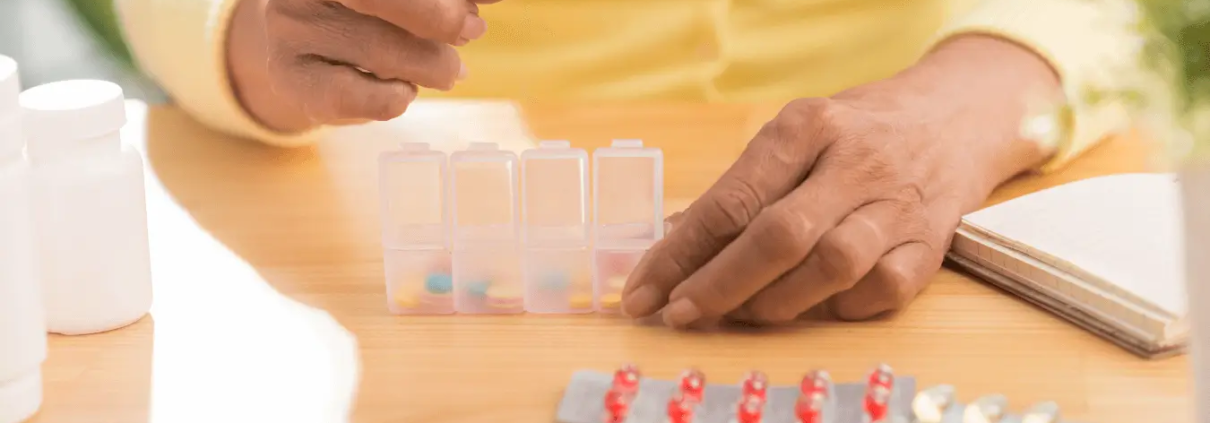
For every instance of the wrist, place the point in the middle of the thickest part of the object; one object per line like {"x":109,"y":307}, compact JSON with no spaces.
{"x":247,"y":56}
{"x":978,"y":90}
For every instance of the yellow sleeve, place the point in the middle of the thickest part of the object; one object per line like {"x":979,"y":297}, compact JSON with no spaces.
{"x":181,"y":45}
{"x":1091,"y":44}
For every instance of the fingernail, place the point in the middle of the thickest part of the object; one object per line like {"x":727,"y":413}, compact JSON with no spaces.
{"x":462,"y":72}
{"x":640,"y":302}
{"x":681,"y":313}
{"x":473,"y":27}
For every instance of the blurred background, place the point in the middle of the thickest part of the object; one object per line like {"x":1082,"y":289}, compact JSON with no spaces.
{"x":78,"y":47}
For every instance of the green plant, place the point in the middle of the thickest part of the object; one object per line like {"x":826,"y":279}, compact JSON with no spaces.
{"x":1176,"y":36}
{"x":99,"y":18}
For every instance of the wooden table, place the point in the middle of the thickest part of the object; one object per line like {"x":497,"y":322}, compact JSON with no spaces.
{"x":221,"y":346}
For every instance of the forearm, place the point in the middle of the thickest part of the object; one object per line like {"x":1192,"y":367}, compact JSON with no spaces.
{"x":979,"y":90}
{"x":987,"y":87}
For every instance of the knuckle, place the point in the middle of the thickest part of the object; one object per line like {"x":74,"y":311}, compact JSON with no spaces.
{"x":894,"y":283}
{"x":737,"y":204}
{"x":781,"y":232}
{"x":838,"y":258}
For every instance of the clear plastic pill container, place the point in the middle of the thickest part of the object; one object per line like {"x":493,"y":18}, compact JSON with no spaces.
{"x":484,"y":208}
{"x":628,"y":216}
{"x":415,"y":235}
{"x":556,"y":263}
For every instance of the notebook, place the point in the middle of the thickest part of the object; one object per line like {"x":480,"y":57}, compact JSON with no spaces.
{"x":1105,"y":253}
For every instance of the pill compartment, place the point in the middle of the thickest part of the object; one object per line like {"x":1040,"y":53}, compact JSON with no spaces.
{"x":416,"y":257}
{"x":628,"y":214}
{"x":555,"y":229}
{"x":485,"y":236}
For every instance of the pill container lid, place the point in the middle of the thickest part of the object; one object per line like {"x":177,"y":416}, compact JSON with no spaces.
{"x":628,"y":193}
{"x":554,"y":194}
{"x":10,"y":111}
{"x":413,"y":197}
{"x":71,"y":110}
{"x":483,"y":193}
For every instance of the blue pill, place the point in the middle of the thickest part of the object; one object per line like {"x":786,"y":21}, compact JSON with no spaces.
{"x":477,"y":288}
{"x":555,"y":281}
{"x":439,"y":283}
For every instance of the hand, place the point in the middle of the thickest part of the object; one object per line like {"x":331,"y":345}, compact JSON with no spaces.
{"x":297,"y":64}
{"x":851,"y":200}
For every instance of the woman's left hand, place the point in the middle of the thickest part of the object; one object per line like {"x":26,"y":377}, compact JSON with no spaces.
{"x":850,"y":200}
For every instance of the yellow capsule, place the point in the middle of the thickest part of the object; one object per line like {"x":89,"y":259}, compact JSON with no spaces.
{"x":613,"y":300}
{"x":580,"y":301}
{"x":405,"y":299}
{"x":503,"y":292}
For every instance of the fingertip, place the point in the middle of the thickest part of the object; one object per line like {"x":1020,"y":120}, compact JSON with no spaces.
{"x":681,"y":313}
{"x":643,"y":301}
{"x":473,"y":27}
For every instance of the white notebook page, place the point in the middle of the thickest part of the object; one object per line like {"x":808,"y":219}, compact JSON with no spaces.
{"x":1124,"y":229}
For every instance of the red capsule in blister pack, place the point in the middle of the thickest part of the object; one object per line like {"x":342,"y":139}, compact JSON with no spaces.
{"x":815,"y":389}
{"x":755,"y":384}
{"x":878,"y":393}
{"x":750,"y":409}
{"x":617,"y":406}
{"x":626,"y":379}
{"x":693,"y":384}
{"x":680,"y":409}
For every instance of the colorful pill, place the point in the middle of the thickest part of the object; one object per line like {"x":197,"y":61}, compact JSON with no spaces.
{"x":405,"y":300}
{"x":440,"y":300}
{"x":478,"y":288}
{"x":439,"y":283}
{"x":504,"y":297}
{"x":554,"y":281}
{"x":613,"y":300}
{"x":580,"y":301}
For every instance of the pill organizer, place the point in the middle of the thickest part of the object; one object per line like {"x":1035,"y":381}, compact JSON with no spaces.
{"x":485,"y":231}
{"x":415,"y":238}
{"x":555,"y":229}
{"x":485,"y":218}
{"x":628,"y":216}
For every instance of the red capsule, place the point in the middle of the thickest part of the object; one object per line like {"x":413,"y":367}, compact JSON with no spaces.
{"x":750,"y":409}
{"x":680,"y":409}
{"x":617,"y":406}
{"x":814,"y":391}
{"x":878,"y":393}
{"x":755,"y":384}
{"x":693,"y":384}
{"x":626,"y":379}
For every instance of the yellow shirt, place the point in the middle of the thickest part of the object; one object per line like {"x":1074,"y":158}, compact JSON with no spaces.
{"x":684,"y":50}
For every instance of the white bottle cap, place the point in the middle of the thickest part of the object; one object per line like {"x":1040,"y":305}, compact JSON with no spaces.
{"x":10,"y":87}
{"x":71,"y":110}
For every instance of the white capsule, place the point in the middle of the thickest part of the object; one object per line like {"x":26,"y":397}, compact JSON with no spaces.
{"x":930,"y":404}
{"x":986,"y":409}
{"x":1043,"y":412}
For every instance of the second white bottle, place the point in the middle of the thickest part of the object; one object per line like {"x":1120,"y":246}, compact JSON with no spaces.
{"x":90,"y":209}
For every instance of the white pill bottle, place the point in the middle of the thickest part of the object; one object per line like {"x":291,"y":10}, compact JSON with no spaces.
{"x":90,"y":207}
{"x":22,"y":318}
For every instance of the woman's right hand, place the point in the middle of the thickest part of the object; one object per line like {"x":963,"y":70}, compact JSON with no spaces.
{"x":298,"y":64}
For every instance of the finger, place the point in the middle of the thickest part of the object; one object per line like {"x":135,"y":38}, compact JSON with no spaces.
{"x":893,"y":283}
{"x":778,"y":240}
{"x":774,"y":163}
{"x":369,"y":43}
{"x":330,"y":93}
{"x":439,"y":20}
{"x":841,"y":257}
